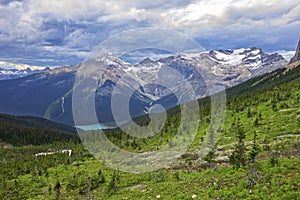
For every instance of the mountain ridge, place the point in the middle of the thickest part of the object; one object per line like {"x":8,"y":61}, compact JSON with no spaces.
{"x":6,"y":74}
{"x":31,"y":121}
{"x":27,"y":130}
{"x":49,"y":94}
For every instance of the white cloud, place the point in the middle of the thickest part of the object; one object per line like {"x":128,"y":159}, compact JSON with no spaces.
{"x":204,"y":15}
{"x":201,"y":10}
{"x":9,"y":65}
{"x":79,"y":38}
{"x":72,"y":27}
{"x":289,"y":17}
{"x":31,"y":14}
{"x":286,"y":54}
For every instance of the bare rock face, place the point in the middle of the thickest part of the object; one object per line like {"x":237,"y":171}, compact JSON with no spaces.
{"x":297,"y":54}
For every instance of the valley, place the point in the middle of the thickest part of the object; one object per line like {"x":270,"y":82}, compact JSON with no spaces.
{"x":48,"y":94}
{"x":264,"y":109}
{"x":149,"y":100}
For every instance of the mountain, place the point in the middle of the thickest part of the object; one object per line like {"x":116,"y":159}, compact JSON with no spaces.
{"x":12,"y":70}
{"x":297,"y":55}
{"x":49,"y":94}
{"x":253,"y":87}
{"x":15,"y":73}
{"x":277,"y":129}
{"x":38,"y":95}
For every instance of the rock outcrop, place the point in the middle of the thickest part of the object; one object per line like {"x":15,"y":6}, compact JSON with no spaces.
{"x":297,"y":54}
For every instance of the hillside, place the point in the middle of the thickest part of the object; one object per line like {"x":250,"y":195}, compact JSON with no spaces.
{"x":263,"y":112}
{"x":274,"y":94}
{"x":20,"y":131}
{"x":37,"y":122}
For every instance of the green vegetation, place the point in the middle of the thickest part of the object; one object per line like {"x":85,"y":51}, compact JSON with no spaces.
{"x":19,"y":131}
{"x":37,"y":122}
{"x":83,"y":177}
{"x":256,"y":157}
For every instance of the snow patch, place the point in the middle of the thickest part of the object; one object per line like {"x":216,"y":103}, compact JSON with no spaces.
{"x":69,"y":151}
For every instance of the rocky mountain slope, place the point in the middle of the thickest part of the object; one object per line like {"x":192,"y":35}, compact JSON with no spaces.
{"x":149,"y":82}
{"x":297,"y":54}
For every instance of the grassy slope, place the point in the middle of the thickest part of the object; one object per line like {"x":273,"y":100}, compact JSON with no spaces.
{"x":80,"y":180}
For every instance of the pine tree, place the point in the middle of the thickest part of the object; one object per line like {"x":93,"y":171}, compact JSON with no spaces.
{"x":255,"y":123}
{"x":249,"y":113}
{"x":57,"y":190}
{"x":252,"y":175}
{"x":113,"y":183}
{"x":238,"y":157}
{"x":254,"y":149}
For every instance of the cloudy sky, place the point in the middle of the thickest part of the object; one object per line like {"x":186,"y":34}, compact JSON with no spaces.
{"x":61,"y":32}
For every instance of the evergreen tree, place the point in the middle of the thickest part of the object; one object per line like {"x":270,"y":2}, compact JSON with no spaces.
{"x":254,"y":149}
{"x":57,"y":188}
{"x":237,"y":158}
{"x":112,"y":186}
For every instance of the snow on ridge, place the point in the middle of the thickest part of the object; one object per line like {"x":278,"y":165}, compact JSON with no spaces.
{"x":9,"y":66}
{"x":237,"y":56}
{"x":191,"y":55}
{"x":110,"y":59}
{"x":8,"y":72}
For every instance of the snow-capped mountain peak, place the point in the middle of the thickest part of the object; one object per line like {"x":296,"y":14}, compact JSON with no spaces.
{"x":149,"y":81}
{"x":11,"y":70}
{"x":234,"y":57}
{"x":147,"y":61}
{"x":109,"y":59}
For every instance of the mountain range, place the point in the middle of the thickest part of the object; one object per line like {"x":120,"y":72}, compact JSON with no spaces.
{"x":16,"y":73}
{"x":48,"y":93}
{"x":11,"y":70}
